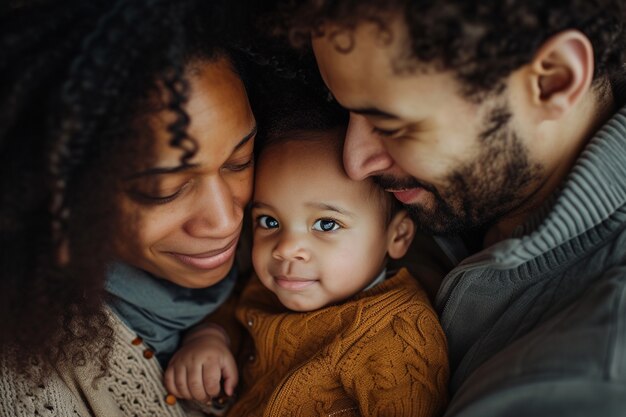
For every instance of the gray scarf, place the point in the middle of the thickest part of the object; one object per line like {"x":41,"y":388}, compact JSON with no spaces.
{"x":160,"y":311}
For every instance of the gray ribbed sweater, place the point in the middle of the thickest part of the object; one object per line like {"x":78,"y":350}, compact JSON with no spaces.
{"x":536,"y":324}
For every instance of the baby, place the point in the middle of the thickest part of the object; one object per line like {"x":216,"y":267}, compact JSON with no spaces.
{"x":333,"y":331}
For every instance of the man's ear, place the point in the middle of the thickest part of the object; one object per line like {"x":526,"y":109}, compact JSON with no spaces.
{"x":561,"y":73}
{"x":400,"y":233}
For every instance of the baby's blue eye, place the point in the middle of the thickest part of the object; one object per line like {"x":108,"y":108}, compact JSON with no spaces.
{"x":267,"y":222}
{"x":325,"y":225}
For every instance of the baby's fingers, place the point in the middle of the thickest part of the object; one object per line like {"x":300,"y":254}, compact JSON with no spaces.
{"x":211,"y":376}
{"x":196,"y":384}
{"x":230,"y":375}
{"x":180,"y":382}
{"x":169,"y":383}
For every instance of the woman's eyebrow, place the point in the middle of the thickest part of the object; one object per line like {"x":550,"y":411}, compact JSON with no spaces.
{"x":247,"y":138}
{"x":181,"y":168}
{"x":160,"y":171}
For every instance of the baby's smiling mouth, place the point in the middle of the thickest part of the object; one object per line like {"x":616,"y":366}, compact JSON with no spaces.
{"x":293,"y":283}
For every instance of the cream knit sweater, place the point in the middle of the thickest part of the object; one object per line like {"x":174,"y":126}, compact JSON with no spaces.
{"x":132,"y":387}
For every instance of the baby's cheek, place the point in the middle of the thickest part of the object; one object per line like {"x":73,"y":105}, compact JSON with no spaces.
{"x":344,"y":260}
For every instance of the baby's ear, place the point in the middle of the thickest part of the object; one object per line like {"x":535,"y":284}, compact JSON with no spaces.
{"x":400,"y":234}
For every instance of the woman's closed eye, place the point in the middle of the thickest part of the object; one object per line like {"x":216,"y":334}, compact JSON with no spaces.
{"x":326,"y":225}
{"x":240,"y":167}
{"x":156,"y":197}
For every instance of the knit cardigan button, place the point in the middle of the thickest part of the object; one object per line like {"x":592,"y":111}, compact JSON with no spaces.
{"x":148,"y":354}
{"x":137,"y":341}
{"x":170,"y":399}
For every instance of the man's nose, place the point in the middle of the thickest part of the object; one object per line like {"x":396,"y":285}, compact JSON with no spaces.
{"x":363,"y":152}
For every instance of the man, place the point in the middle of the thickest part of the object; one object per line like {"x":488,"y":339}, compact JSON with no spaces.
{"x":500,"y":123}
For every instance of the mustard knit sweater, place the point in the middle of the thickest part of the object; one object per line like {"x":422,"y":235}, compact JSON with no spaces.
{"x":382,"y":353}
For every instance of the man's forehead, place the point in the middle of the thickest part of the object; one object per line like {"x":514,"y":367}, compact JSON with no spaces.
{"x":348,"y":58}
{"x":368,"y":49}
{"x":358,"y":68}
{"x":365,"y":35}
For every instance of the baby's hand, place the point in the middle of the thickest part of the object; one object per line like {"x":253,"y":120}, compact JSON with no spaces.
{"x":202,"y":361}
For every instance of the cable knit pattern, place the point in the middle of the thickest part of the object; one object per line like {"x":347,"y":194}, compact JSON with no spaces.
{"x":383,"y":353}
{"x":132,"y":387}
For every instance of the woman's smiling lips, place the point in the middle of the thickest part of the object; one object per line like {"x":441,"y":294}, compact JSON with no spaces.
{"x":294,"y":283}
{"x":208,"y":260}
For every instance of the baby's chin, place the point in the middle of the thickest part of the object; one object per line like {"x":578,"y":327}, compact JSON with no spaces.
{"x":299,"y":306}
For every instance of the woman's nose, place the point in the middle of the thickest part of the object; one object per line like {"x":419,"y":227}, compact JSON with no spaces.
{"x":363,"y":152}
{"x":216,"y":212}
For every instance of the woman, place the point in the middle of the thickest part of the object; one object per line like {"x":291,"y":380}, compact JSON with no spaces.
{"x":126,"y":139}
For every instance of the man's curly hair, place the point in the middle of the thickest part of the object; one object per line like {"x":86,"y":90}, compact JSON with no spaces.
{"x":76,"y":76}
{"x":480,"y":41}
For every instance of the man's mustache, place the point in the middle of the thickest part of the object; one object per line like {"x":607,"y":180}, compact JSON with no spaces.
{"x":390,"y":183}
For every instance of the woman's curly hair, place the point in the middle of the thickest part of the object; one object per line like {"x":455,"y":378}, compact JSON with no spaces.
{"x":76,"y":75}
{"x":480,"y":41}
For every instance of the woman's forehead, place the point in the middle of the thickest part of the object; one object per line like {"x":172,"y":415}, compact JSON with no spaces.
{"x":218,"y":116}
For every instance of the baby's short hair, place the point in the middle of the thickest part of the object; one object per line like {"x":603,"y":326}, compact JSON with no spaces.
{"x":292,"y":111}
{"x":287,"y":106}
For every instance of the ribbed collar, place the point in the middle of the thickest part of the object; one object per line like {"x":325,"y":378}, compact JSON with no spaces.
{"x":507,"y":287}
{"x":593,"y":191}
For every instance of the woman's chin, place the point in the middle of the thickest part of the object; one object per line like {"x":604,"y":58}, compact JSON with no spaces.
{"x":195,"y":278}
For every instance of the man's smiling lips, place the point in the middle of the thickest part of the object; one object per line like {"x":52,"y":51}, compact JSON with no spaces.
{"x":293,"y":283}
{"x":208,"y":260}
{"x":407,"y":190}
{"x":407,"y":195}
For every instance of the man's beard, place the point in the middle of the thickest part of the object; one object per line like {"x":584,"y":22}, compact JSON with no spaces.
{"x":478,"y":193}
